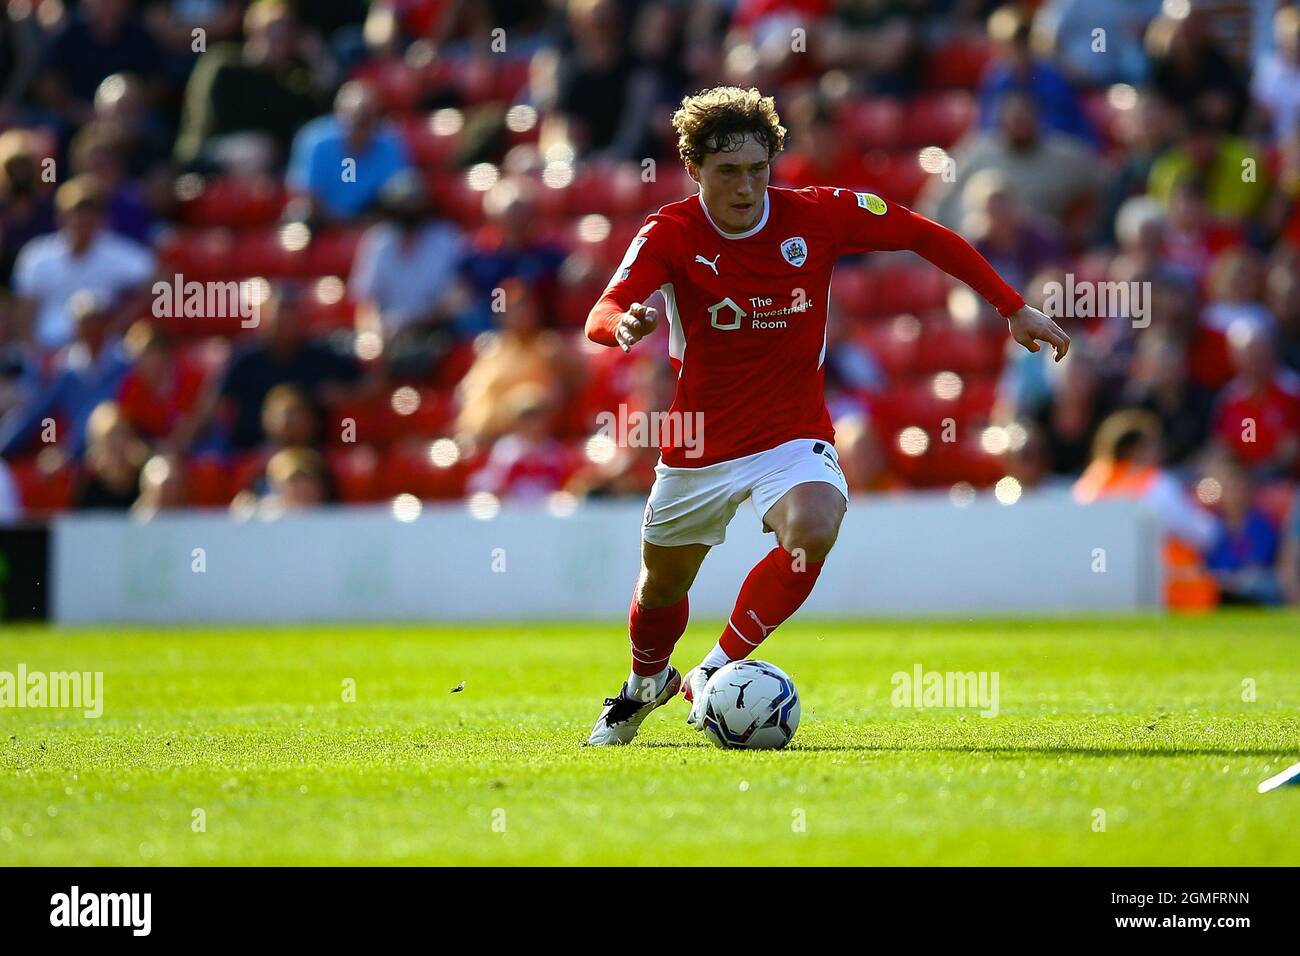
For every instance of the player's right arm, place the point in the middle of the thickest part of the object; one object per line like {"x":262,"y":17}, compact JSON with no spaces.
{"x":621,"y":317}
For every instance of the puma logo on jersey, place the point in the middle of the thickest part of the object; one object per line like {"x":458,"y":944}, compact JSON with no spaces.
{"x":712,"y":265}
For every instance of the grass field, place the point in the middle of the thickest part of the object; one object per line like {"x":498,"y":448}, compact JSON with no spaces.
{"x":1142,"y":718}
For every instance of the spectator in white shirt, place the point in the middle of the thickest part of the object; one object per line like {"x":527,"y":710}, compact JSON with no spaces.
{"x":404,"y":277}
{"x":82,"y":256}
{"x":1276,"y":84}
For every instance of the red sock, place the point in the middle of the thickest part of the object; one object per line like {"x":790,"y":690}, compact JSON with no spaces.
{"x":654,"y":632}
{"x":773,"y":591}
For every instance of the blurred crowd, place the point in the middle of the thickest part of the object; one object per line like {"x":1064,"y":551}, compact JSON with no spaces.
{"x":417,"y":201}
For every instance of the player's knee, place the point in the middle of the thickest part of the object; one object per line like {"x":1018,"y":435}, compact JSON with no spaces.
{"x":812,"y":534}
{"x":661,"y":589}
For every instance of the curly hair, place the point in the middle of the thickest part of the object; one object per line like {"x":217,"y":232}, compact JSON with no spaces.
{"x":718,"y":120}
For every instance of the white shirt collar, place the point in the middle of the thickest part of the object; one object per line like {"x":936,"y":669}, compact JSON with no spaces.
{"x":762,"y":219}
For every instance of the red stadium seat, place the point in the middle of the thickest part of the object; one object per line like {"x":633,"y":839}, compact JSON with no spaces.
{"x":331,"y":252}
{"x":201,"y":254}
{"x":426,"y":147}
{"x":399,"y":85}
{"x":408,"y":469}
{"x":958,"y":63}
{"x":938,"y":119}
{"x":910,"y":288}
{"x":853,"y":292}
{"x":263,"y":252}
{"x":44,"y":491}
{"x":875,"y":123}
{"x":355,"y":472}
{"x":208,"y":482}
{"x":234,"y":202}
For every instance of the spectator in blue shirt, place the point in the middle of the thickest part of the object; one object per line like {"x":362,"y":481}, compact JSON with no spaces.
{"x":87,"y":371}
{"x":342,"y":161}
{"x":508,"y":247}
{"x":1017,"y":69}
{"x":1245,"y":545}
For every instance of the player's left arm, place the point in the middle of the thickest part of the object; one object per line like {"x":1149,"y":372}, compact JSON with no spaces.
{"x":872,"y":224}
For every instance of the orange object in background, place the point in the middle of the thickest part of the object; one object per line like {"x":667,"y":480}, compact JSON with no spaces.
{"x":1188,"y":585}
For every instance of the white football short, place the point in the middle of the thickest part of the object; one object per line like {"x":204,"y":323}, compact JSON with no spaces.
{"x":695,"y":505}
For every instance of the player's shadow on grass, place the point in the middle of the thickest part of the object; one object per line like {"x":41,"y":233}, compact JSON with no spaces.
{"x":1030,"y":751}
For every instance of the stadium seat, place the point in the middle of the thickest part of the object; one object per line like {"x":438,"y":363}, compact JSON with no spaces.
{"x":874,"y":123}
{"x":937,"y":119}
{"x":355,"y":472}
{"x":262,"y":252}
{"x":399,"y":84}
{"x":42,"y":490}
{"x":208,"y":482}
{"x":331,"y":251}
{"x":234,"y":201}
{"x":408,"y":469}
{"x":201,"y":254}
{"x":910,"y":288}
{"x":958,"y":64}
{"x":426,"y":147}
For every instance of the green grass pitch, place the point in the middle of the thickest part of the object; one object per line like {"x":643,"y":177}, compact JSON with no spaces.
{"x":1142,"y":718}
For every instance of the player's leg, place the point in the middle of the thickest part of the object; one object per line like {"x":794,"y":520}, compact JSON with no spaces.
{"x":803,"y":500}
{"x":656,"y":621}
{"x":688,"y":513}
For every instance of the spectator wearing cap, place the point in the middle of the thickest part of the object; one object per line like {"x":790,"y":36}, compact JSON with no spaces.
{"x":86,"y":372}
{"x":1018,"y":69}
{"x":404,"y":276}
{"x":267,"y":87}
{"x":280,"y":353}
{"x":1050,"y":173}
{"x":83,"y":256}
{"x":341,"y":162}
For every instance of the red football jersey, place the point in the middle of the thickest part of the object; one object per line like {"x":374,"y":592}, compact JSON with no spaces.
{"x":746,"y":313}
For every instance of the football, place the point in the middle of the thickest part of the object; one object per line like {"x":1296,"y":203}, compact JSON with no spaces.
{"x":751,"y":705}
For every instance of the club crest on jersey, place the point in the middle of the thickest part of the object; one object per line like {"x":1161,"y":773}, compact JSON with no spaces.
{"x":795,"y":250}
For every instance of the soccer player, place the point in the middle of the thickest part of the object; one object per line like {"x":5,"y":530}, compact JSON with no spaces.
{"x":744,"y":269}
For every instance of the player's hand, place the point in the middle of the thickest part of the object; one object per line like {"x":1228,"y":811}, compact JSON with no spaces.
{"x":1029,"y":327}
{"x":637,"y":322}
